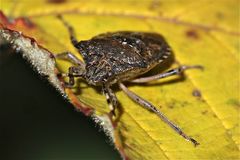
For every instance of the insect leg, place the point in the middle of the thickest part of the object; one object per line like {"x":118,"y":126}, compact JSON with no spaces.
{"x":165,"y":74}
{"x":152,"y":108}
{"x":70,"y":30}
{"x":111,"y":99}
{"x":74,"y":71}
{"x":70,"y":57}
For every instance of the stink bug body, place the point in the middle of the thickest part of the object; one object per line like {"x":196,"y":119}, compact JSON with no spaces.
{"x":118,"y":57}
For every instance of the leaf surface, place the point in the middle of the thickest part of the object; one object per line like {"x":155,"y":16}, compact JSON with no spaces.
{"x":205,"y":104}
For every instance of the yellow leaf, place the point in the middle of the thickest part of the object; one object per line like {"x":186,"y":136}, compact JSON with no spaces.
{"x":205,"y":104}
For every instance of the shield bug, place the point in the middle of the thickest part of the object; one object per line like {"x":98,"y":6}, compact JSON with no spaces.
{"x":118,"y":57}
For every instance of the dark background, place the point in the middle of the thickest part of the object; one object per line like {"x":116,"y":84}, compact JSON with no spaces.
{"x":36,"y":123}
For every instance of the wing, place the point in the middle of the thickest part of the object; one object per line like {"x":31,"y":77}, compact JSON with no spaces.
{"x":151,"y":47}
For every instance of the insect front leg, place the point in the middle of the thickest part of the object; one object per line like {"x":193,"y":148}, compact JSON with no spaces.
{"x":152,"y":108}
{"x":74,"y":71}
{"x":111,"y":99}
{"x":70,"y":57}
{"x":171,"y":72}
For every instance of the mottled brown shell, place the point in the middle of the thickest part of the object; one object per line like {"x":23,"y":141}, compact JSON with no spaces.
{"x":121,"y":56}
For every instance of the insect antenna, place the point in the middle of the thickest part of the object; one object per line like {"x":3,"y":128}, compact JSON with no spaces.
{"x":70,"y":30}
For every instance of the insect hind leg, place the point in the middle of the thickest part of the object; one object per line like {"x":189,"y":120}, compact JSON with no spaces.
{"x":152,"y":108}
{"x":169,"y":73}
